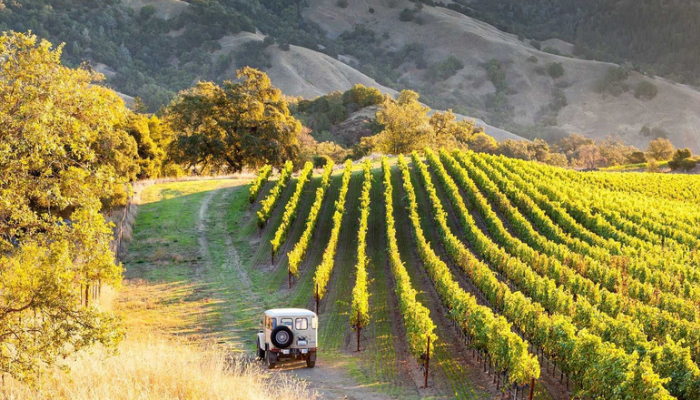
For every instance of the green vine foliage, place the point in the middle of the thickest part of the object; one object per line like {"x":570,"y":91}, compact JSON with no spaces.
{"x":269,"y":203}
{"x":416,"y":317}
{"x":325,"y":268}
{"x":359,"y":309}
{"x":258,"y":183}
{"x":290,"y":209}
{"x":296,"y":256}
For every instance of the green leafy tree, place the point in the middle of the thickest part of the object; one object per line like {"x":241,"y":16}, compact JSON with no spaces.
{"x":555,"y":70}
{"x":152,"y":137}
{"x":682,"y":160}
{"x":54,"y":242}
{"x":483,"y":143}
{"x":645,"y":90}
{"x":224,"y":128}
{"x":660,"y":149}
{"x":405,"y":121}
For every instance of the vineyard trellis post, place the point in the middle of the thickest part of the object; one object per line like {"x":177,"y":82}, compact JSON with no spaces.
{"x":317,"y":299}
{"x":358,"y":330}
{"x":427,"y":362}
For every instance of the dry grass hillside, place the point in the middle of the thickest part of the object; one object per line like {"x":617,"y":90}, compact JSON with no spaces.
{"x":444,"y":32}
{"x":307,"y":73}
{"x":301,"y":71}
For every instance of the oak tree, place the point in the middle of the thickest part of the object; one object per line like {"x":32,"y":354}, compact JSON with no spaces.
{"x":224,"y":128}
{"x":57,"y":129}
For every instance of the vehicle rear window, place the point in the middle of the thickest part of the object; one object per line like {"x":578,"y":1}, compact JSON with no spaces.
{"x":301,"y":324}
{"x":286,"y":321}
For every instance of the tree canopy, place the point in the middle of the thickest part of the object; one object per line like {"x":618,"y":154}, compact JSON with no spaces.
{"x":224,"y":128}
{"x":408,"y":127}
{"x":60,"y":154}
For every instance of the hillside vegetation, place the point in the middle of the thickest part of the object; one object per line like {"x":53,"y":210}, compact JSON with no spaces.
{"x":152,"y":49}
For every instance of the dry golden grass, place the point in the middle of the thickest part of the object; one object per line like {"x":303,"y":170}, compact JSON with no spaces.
{"x":154,"y":367}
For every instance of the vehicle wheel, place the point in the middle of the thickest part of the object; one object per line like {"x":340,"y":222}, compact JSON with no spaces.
{"x":261,"y":353}
{"x":310,"y":363}
{"x":270,"y":359}
{"x":282,"y":337}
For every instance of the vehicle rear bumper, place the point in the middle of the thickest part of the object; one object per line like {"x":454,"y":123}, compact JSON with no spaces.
{"x":306,"y":353}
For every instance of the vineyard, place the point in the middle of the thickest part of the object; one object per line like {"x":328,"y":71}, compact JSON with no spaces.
{"x":520,"y":278}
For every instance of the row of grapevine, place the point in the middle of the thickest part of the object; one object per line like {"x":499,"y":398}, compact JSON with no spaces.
{"x":290,"y":209}
{"x":269,"y":203}
{"x":620,"y":214}
{"x":324,"y":270}
{"x":666,"y":186}
{"x":575,"y":266}
{"x":677,"y":280}
{"x":488,"y":332}
{"x":258,"y":183}
{"x":296,"y":255}
{"x":522,"y":196}
{"x":673,"y":264}
{"x":566,"y":281}
{"x":555,"y":334}
{"x":359,"y":309}
{"x":416,"y":317}
{"x":555,"y":192}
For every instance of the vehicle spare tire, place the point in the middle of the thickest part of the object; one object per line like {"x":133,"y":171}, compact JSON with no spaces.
{"x":282,"y":337}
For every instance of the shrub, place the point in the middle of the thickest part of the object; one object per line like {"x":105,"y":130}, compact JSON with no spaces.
{"x":147,"y":11}
{"x":342,"y":3}
{"x":555,"y":70}
{"x":682,"y":160}
{"x":532,"y":59}
{"x":646,"y":91}
{"x":321,"y":161}
{"x":636,"y":157}
{"x":444,"y":70}
{"x":371,"y":10}
{"x":406,"y":15}
{"x":535,"y":44}
{"x":552,"y":50}
{"x":497,"y":74}
{"x":613,"y":80}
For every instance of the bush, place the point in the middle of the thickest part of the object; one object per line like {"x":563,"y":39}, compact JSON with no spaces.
{"x":342,"y":3}
{"x":321,"y":161}
{"x":535,"y":44}
{"x":682,"y":160}
{"x":497,"y":74}
{"x":636,"y":157}
{"x":552,"y":50}
{"x":147,"y":11}
{"x":613,"y":80}
{"x":252,"y":54}
{"x":532,"y":59}
{"x":555,"y":70}
{"x":444,"y":70}
{"x":406,"y":15}
{"x":646,"y":91}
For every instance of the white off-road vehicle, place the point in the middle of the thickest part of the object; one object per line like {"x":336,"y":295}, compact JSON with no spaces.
{"x":288,"y":333}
